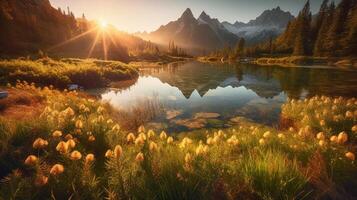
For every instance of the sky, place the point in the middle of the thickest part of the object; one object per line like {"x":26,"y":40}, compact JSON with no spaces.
{"x":148,"y":15}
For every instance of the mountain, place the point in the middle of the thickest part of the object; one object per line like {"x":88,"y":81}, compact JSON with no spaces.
{"x":194,"y":34}
{"x":33,"y":25}
{"x":270,"y":23}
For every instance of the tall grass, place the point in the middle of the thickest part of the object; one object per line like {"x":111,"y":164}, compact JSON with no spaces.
{"x":88,"y":73}
{"x":84,"y":154}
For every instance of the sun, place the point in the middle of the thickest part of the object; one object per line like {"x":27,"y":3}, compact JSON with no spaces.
{"x":103,"y":24}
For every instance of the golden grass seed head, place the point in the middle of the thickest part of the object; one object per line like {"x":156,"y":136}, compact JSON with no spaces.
{"x":57,"y":134}
{"x":118,"y":151}
{"x":139,"y":157}
{"x":31,"y":160}
{"x":75,"y":155}
{"x":57,"y":169}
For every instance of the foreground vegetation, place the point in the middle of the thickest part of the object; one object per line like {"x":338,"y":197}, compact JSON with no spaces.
{"x":76,"y":150}
{"x":87,"y":73}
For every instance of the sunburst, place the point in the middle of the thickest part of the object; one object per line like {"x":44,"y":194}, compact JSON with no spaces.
{"x":102,"y":34}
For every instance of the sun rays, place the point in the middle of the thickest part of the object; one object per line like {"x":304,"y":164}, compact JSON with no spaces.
{"x":103,"y":35}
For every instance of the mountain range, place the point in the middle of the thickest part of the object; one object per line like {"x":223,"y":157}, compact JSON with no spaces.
{"x":206,"y":33}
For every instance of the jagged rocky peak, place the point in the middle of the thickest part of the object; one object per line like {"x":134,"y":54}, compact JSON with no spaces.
{"x":204,"y":16}
{"x":187,"y":15}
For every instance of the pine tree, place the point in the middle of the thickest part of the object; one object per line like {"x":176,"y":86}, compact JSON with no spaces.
{"x":302,"y":40}
{"x":338,"y":28}
{"x":319,"y":20}
{"x":320,"y":47}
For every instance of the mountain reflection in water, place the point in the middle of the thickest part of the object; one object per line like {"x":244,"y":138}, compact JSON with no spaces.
{"x":256,"y":92}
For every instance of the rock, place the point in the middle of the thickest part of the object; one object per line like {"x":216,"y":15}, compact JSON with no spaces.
{"x":170,"y":114}
{"x":4,"y":94}
{"x":206,"y":115}
{"x":191,"y":123}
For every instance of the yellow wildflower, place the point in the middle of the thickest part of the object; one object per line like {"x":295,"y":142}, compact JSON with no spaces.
{"x":57,"y":169}
{"x":89,"y":158}
{"x":163,"y":135}
{"x":188,"y":158}
{"x":320,"y":136}
{"x":91,"y":138}
{"x":118,"y":151}
{"x":262,"y":141}
{"x":170,"y":140}
{"x":342,"y":137}
{"x":350,"y":156}
{"x":57,"y":134}
{"x":39,"y":143}
{"x":116,"y":127}
{"x":62,"y":147}
{"x":75,"y":155}
{"x":31,"y":160}
{"x":333,"y":138}
{"x":71,"y":143}
{"x":79,"y":124}
{"x":139,"y":157}
{"x":153,"y":146}
{"x":130,"y":137}
{"x":141,"y":129}
{"x":109,"y":153}
{"x":266,"y":134}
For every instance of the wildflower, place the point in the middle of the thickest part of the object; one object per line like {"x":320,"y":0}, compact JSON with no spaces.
{"x":139,"y":157}
{"x":130,"y":137}
{"x":322,"y":143}
{"x":139,"y":140}
{"x":322,"y":122}
{"x":109,"y":153}
{"x":100,"y":118}
{"x":41,"y":180}
{"x":57,"y":134}
{"x":69,"y":111}
{"x":62,"y":147}
{"x":31,"y":160}
{"x":68,"y":137}
{"x":342,"y":137}
{"x":153,"y":146}
{"x":141,"y":129}
{"x":109,"y":121}
{"x":188,"y":158}
{"x":333,"y":138}
{"x":201,"y":149}
{"x":209,"y":141}
{"x":142,"y":136}
{"x":71,"y":143}
{"x":354,"y":128}
{"x":291,"y":129}
{"x":320,"y":136}
{"x":163,"y":135}
{"x":186,"y":141}
{"x":100,"y":109}
{"x":170,"y":140}
{"x":39,"y":143}
{"x":75,"y":155}
{"x":266,"y":134}
{"x":118,"y":151}
{"x":349,"y":114}
{"x":350,"y":156}
{"x":116,"y":127}
{"x":150,"y":134}
{"x":57,"y":169}
{"x":91,"y":138}
{"x":262,"y":142}
{"x":79,"y":124}
{"x":89,"y":158}
{"x":281,"y":136}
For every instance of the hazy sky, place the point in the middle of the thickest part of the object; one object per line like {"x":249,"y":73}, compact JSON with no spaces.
{"x":148,"y":15}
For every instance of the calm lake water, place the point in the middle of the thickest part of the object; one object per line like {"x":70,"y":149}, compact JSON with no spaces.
{"x":195,"y":95}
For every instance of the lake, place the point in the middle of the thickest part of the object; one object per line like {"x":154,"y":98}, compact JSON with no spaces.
{"x":194,"y":95}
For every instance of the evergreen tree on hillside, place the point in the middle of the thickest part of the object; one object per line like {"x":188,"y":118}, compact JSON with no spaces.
{"x":338,"y":28}
{"x":302,"y":40}
{"x":239,"y":49}
{"x":319,"y":20}
{"x":320,"y":47}
{"x":350,"y":41}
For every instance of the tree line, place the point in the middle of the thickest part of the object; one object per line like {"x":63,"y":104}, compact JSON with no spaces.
{"x":332,"y":32}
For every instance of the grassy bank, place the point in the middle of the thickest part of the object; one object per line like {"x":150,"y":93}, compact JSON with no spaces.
{"x":306,"y":60}
{"x":75,"y":149}
{"x":59,"y":73}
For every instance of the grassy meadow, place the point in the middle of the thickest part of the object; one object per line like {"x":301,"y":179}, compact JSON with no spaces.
{"x":75,"y":148}
{"x":88,"y":73}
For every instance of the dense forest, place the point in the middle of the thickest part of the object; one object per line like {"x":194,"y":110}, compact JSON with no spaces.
{"x":332,"y":32}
